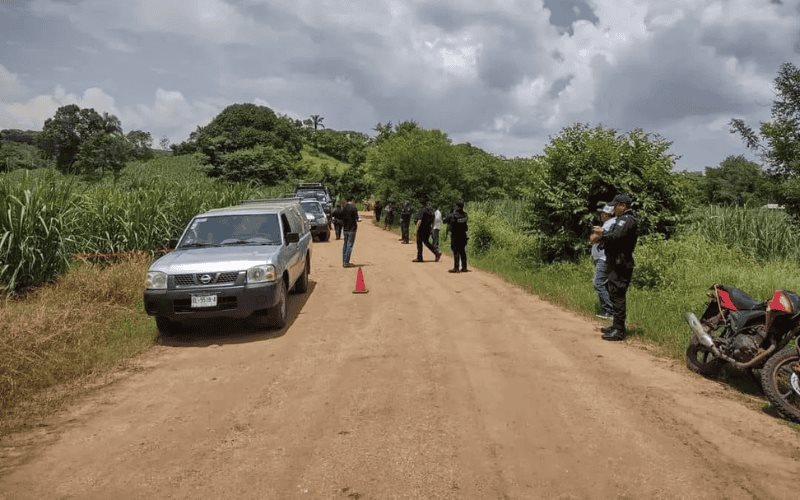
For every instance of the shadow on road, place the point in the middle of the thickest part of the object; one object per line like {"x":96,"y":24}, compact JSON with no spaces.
{"x":210,"y":332}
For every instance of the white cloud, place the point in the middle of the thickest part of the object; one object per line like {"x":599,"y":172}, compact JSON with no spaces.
{"x":9,"y":83}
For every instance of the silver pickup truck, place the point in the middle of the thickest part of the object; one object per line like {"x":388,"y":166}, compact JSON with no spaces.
{"x":233,"y":262}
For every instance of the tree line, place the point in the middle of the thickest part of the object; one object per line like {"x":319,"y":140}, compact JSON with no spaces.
{"x":580,"y":166}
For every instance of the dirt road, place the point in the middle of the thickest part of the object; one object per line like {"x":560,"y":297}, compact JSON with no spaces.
{"x":431,"y":386}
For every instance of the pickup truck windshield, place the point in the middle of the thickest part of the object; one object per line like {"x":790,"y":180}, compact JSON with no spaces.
{"x":311,"y":207}
{"x":221,"y":230}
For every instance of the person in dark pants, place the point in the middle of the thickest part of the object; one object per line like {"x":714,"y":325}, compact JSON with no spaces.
{"x":619,"y":242}
{"x":388,"y":217}
{"x":405,"y":221}
{"x":457,"y":225}
{"x":425,"y":218}
{"x":378,"y":210}
{"x":350,"y":226}
{"x":336,"y":215}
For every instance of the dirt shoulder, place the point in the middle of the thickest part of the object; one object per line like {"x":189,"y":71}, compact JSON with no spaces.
{"x":431,"y":386}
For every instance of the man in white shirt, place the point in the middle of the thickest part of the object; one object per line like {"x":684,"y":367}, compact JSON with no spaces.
{"x":600,"y":267}
{"x":437,"y":225}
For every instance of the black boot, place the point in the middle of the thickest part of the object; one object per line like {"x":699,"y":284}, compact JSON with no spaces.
{"x":614,"y":335}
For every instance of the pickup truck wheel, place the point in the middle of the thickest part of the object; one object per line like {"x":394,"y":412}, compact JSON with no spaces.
{"x":301,"y":285}
{"x":277,"y":315}
{"x":166,"y":327}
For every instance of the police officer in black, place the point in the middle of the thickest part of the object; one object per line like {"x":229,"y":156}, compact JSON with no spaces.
{"x":336,"y":215}
{"x":457,"y":223}
{"x":405,"y":221}
{"x":619,"y":241}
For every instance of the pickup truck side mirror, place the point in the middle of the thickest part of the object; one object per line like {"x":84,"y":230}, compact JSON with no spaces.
{"x":292,"y":238}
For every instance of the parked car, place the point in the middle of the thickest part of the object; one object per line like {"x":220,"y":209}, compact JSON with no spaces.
{"x":234,"y":262}
{"x":315,"y":214}
{"x":317,"y":191}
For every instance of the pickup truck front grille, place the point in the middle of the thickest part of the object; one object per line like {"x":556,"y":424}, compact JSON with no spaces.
{"x":216,"y":279}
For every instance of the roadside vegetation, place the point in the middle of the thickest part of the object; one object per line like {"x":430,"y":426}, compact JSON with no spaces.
{"x":82,"y":189}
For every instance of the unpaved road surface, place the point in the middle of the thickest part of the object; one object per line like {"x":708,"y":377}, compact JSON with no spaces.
{"x":431,"y":386}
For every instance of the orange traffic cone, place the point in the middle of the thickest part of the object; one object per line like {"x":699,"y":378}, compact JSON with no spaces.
{"x":360,"y":287}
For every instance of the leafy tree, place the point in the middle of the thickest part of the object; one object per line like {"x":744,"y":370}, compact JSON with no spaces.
{"x":411,"y":162}
{"x":778,"y":140}
{"x":737,"y":181}
{"x":30,"y":137}
{"x":164,"y":142}
{"x":16,"y":155}
{"x":260,"y":164}
{"x":344,"y":145}
{"x":140,"y":144}
{"x":103,"y":153}
{"x":67,"y":130}
{"x":353,"y":182}
{"x":243,"y":126}
{"x":586,"y":166}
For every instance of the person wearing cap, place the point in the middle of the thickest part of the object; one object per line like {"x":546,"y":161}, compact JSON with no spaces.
{"x":600,"y":280}
{"x":619,"y":242}
{"x":457,"y":225}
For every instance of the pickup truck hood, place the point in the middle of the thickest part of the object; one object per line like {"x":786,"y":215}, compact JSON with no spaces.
{"x":215,"y":259}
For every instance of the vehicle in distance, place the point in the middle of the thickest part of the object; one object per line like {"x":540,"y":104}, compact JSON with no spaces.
{"x":315,"y":214}
{"x":234,"y":262}
{"x":317,"y":191}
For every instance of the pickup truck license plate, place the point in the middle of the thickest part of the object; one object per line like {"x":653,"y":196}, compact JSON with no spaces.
{"x":204,"y":301}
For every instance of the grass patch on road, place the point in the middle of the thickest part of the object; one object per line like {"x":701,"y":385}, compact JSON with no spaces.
{"x":84,"y":324}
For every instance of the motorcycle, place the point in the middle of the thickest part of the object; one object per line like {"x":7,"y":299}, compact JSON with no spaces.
{"x":739,"y":331}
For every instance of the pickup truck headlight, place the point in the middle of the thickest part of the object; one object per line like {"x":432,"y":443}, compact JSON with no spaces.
{"x":156,"y":280}
{"x":261,"y":274}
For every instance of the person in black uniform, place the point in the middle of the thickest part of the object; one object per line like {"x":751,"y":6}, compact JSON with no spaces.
{"x":336,"y":215}
{"x":405,"y":221}
{"x":378,"y":210}
{"x":457,"y":225}
{"x":619,"y":241}
{"x":425,"y":218}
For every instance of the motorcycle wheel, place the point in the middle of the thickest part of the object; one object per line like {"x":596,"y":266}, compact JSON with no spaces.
{"x":781,"y":383}
{"x":702,"y":361}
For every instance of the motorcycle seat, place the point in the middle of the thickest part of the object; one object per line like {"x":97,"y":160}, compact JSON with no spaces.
{"x":740,"y":319}
{"x":741,"y":300}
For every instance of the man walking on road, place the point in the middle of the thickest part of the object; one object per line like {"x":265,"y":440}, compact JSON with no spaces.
{"x":601,"y":267}
{"x":437,"y":226}
{"x":336,"y":215}
{"x":424,"y":227}
{"x":619,"y":242}
{"x":350,"y":226}
{"x":405,"y":221}
{"x":378,"y":210}
{"x":388,"y":217}
{"x":457,"y":224}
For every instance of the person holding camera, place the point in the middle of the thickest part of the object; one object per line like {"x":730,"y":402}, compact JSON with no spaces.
{"x":600,"y":279}
{"x":619,"y":242}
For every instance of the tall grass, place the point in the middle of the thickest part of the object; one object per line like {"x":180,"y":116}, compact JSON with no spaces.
{"x":759,"y":233}
{"x":46,"y":218}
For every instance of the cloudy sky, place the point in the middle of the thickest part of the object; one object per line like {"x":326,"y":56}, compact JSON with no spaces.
{"x":502,"y":74}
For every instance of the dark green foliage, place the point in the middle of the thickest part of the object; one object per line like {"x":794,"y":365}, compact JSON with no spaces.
{"x":586,"y":166}
{"x":16,"y":155}
{"x":141,"y":144}
{"x":412,"y":163}
{"x":30,"y":137}
{"x":262,"y":164}
{"x":101,"y":154}
{"x":64,"y":133}
{"x":738,"y":181}
{"x":778,"y":140}
{"x":344,"y":145}
{"x":247,"y":127}
{"x":353,"y":182}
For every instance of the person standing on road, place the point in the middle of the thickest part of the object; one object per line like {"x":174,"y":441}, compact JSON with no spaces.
{"x":405,"y":222}
{"x":388,"y":217}
{"x":424,"y":228}
{"x":378,"y":210}
{"x":336,"y":215}
{"x":457,"y":225}
{"x":437,"y":226}
{"x":350,"y":226}
{"x":619,"y":242}
{"x":600,"y":279}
